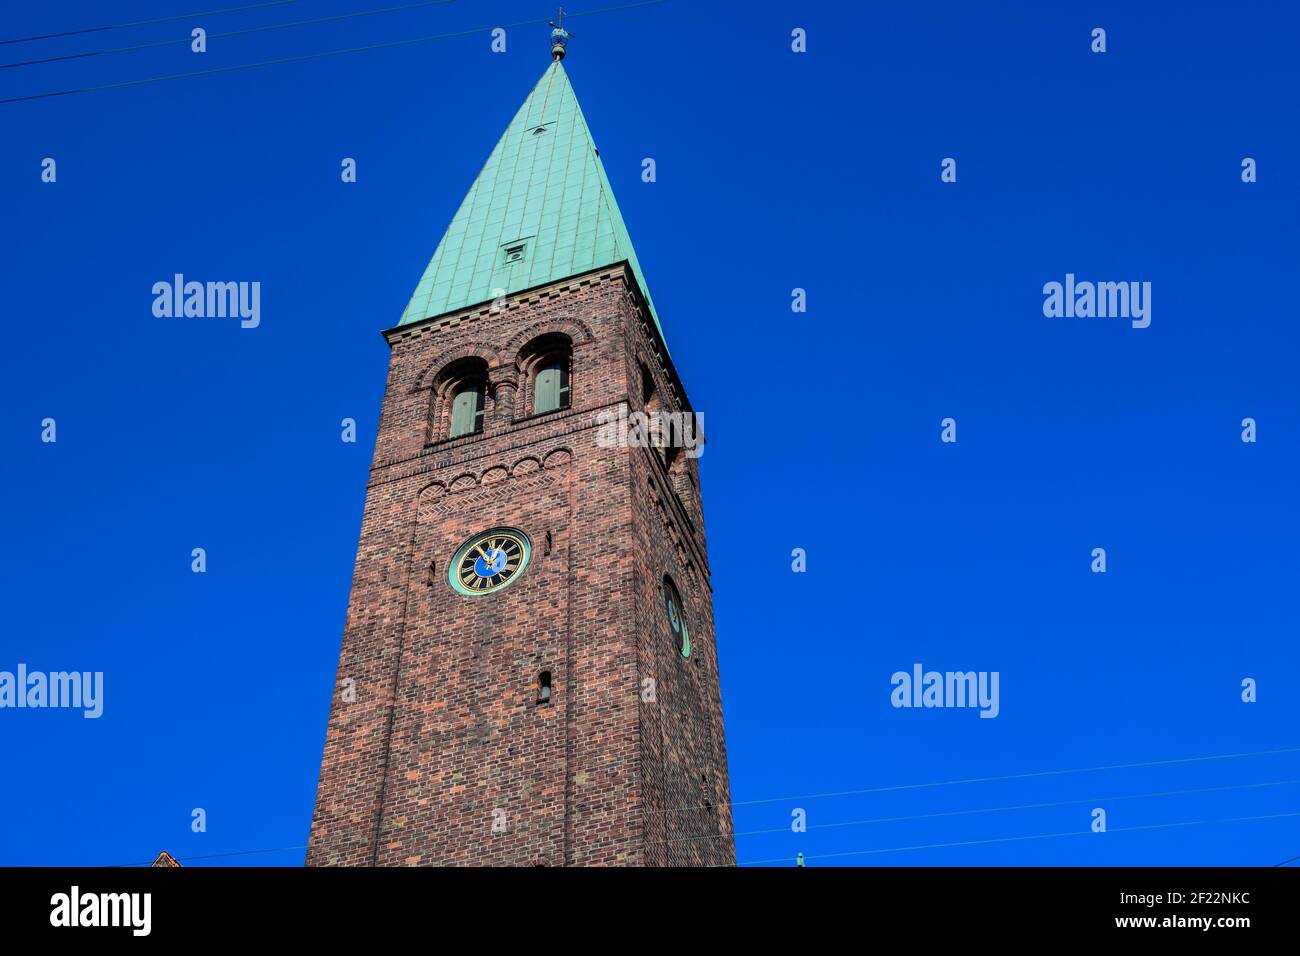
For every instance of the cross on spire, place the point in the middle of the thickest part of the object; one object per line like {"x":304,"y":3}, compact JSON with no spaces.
{"x":559,"y":35}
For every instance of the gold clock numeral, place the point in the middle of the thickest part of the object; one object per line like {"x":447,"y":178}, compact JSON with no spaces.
{"x":503,"y":555}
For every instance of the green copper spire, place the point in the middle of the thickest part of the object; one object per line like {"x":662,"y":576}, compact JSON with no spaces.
{"x":540,"y":210}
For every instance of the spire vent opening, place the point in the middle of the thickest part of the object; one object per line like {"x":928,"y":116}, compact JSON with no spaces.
{"x":514,"y":252}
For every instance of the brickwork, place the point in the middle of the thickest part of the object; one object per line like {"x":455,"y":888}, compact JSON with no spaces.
{"x":438,"y":750}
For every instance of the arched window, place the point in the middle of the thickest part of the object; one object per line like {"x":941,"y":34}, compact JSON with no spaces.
{"x":647,"y":385}
{"x":547,"y":366}
{"x":467,"y":410}
{"x":460,"y":396}
{"x":679,"y":473}
{"x":551,"y":386}
{"x":653,"y":410}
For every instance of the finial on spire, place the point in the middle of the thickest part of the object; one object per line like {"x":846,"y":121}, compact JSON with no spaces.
{"x":559,"y":35}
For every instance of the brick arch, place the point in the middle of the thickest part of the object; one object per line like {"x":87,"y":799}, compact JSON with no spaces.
{"x":557,"y":458}
{"x":481,"y":350}
{"x":578,"y":331}
{"x":668,"y":398}
{"x":432,"y":490}
{"x":525,"y":466}
{"x":562,"y":338}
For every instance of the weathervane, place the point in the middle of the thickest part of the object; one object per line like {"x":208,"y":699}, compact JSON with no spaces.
{"x":559,"y":35}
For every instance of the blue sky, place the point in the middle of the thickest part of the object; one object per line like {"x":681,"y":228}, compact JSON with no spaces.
{"x":775,"y":170}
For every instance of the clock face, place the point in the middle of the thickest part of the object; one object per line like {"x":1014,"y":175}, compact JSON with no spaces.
{"x":677,"y":618}
{"x":489,"y":561}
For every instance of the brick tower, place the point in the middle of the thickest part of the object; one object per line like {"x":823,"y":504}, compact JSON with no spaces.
{"x":528,"y":673}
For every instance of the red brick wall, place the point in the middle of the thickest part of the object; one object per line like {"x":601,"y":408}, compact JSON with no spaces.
{"x":445,"y":728}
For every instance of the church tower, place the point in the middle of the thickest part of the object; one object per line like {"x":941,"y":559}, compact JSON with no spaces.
{"x":528,"y":673}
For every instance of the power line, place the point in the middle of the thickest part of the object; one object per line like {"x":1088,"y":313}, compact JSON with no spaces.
{"x":1035,"y":836}
{"x":222,"y":36}
{"x":316,"y":56}
{"x":215,"y":856}
{"x":1010,"y":776}
{"x":920,"y":816}
{"x":901,"y":849}
{"x":1024,"y":806}
{"x":141,"y":23}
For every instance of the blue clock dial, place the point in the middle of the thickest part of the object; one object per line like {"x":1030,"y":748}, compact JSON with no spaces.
{"x":489,"y":561}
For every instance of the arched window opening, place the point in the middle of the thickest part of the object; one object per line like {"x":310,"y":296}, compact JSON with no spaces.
{"x":460,"y":396}
{"x":683,"y":481}
{"x":653,"y":409}
{"x":647,"y":386}
{"x":551,"y":386}
{"x":547,"y":366}
{"x":467,"y":410}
